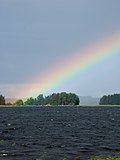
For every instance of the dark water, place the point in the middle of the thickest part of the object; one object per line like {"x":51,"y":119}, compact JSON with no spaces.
{"x":58,"y":133}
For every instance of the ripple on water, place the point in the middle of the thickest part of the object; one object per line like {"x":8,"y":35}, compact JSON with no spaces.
{"x":47,"y":132}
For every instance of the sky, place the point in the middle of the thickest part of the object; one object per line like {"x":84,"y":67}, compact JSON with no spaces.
{"x":35,"y":35}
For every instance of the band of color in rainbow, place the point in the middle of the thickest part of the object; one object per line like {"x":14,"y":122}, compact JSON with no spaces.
{"x":76,"y":64}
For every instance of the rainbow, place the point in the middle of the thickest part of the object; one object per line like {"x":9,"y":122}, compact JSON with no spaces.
{"x":78,"y":63}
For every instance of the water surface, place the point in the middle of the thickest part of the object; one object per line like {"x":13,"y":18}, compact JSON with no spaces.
{"x":55,"y":133}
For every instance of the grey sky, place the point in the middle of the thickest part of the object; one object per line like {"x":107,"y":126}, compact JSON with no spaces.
{"x":35,"y":34}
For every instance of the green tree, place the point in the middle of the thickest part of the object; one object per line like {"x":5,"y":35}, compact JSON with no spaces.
{"x":19,"y":102}
{"x":73,"y":99}
{"x":30,"y":101}
{"x":47,"y":100}
{"x":39,"y":100}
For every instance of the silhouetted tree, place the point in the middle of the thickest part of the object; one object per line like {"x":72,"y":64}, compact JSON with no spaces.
{"x":2,"y":100}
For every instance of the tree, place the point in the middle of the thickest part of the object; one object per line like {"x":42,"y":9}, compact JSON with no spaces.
{"x":73,"y":99}
{"x":30,"y":101}
{"x":39,"y":100}
{"x":2,"y":100}
{"x":19,"y":102}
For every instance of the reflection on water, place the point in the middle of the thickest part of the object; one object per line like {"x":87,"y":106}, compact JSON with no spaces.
{"x":57,"y":133}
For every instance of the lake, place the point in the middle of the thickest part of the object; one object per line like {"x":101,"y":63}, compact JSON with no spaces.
{"x":59,"y":132}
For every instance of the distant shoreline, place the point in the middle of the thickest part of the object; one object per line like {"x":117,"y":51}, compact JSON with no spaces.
{"x":60,"y":106}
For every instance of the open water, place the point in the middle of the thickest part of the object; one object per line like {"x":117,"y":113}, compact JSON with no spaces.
{"x":58,"y":133}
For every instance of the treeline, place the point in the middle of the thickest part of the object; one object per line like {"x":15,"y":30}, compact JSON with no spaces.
{"x":54,"y":99}
{"x":113,"y":99}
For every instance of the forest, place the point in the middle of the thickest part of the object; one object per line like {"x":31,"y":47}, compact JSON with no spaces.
{"x":54,"y":99}
{"x":62,"y":98}
{"x":113,"y":99}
